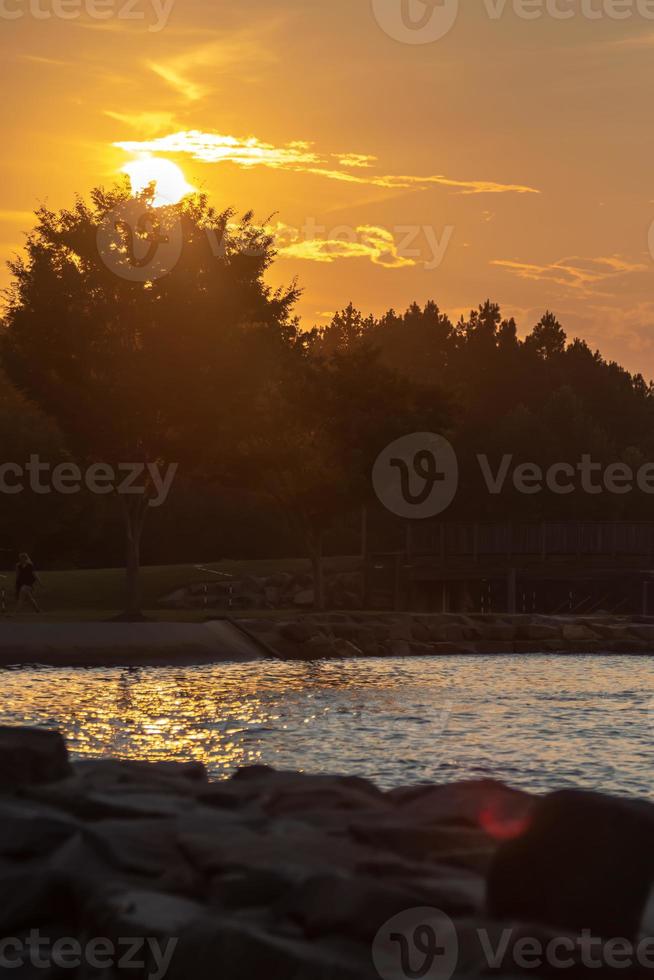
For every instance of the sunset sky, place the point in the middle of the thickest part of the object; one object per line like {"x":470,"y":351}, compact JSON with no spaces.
{"x":523,"y":146}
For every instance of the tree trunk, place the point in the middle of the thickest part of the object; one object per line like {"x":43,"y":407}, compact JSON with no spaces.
{"x":134,"y":510}
{"x":318,"y":572}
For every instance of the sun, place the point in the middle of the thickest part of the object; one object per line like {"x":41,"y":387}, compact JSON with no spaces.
{"x":171,"y":184}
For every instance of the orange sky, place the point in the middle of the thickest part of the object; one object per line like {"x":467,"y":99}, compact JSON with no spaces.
{"x":509,"y":158}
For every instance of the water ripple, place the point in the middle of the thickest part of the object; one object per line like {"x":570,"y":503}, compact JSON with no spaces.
{"x":538,"y":721}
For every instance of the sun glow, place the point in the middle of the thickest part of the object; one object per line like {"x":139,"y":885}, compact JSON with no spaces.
{"x":170,"y":183}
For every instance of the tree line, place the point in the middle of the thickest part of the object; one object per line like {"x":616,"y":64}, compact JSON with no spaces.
{"x":274,"y":427}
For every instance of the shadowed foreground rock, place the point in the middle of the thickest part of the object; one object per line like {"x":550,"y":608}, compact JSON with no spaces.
{"x":285,"y":876}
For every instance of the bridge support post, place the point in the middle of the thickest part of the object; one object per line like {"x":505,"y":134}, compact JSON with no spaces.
{"x":511,"y":591}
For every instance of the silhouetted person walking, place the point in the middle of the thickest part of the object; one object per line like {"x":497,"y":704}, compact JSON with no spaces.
{"x":26,"y":579}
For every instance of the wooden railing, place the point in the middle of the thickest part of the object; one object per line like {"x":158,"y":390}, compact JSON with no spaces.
{"x":601,"y":539}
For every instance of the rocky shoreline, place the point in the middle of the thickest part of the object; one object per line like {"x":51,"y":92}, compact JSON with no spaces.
{"x":306,"y":877}
{"x":337,"y":634}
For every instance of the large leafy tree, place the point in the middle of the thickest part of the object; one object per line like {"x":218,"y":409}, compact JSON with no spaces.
{"x":139,"y":353}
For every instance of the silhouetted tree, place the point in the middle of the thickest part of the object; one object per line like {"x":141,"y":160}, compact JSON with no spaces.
{"x":151,"y":368}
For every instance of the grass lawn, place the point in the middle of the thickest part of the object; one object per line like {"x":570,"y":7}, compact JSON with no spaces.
{"x":96,"y":594}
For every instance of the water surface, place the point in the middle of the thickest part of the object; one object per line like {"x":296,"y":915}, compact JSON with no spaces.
{"x":539,"y":721}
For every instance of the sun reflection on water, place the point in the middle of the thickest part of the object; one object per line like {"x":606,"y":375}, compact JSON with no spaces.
{"x":535,"y":721}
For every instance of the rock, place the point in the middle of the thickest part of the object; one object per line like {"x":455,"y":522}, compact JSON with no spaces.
{"x":445,"y":649}
{"x":537,"y":631}
{"x":248,"y":950}
{"x":305,"y":597}
{"x":73,"y":798}
{"x":29,"y":756}
{"x":585,"y":862}
{"x":420,"y":631}
{"x":177,"y":777}
{"x":500,"y":631}
{"x":38,"y":896}
{"x":294,"y":850}
{"x":499,"y":810}
{"x":319,"y":647}
{"x":275,"y":783}
{"x":297,"y":632}
{"x":643,"y":632}
{"x":248,"y":888}
{"x":135,"y":912}
{"x":460,"y":847}
{"x":578,"y":633}
{"x":344,"y":648}
{"x":357,"y":907}
{"x":26,"y":834}
{"x":447,"y":633}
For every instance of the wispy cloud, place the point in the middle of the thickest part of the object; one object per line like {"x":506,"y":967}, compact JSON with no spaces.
{"x":574,"y":272}
{"x":299,"y":156}
{"x":38,"y":59}
{"x":366,"y":241}
{"x":145,"y":122}
{"x":354,"y":159}
{"x":183,"y":85}
{"x":189,"y":71}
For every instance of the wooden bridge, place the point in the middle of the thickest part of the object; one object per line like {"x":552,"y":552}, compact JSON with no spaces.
{"x":546,"y":567}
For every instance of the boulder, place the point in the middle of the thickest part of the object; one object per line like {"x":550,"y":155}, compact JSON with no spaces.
{"x":30,"y":756}
{"x":537,"y":631}
{"x":643,"y":632}
{"x":500,"y":631}
{"x":450,"y":632}
{"x":578,"y":633}
{"x":420,"y":631}
{"x":26,"y":834}
{"x":297,"y":632}
{"x":357,"y":907}
{"x":586,"y":861}
{"x":241,"y":949}
{"x":484,"y":803}
{"x":304,"y":598}
{"x":399,"y":648}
